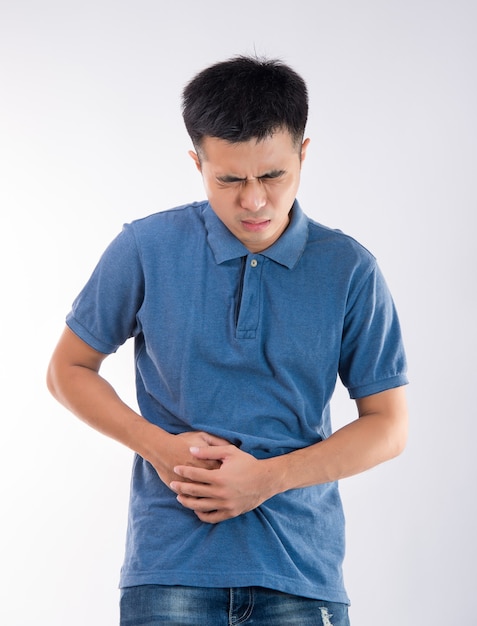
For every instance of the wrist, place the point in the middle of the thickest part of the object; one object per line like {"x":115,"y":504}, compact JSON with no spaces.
{"x":274,"y":472}
{"x":148,"y":440}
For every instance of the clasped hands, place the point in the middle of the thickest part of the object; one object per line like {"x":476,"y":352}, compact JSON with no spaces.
{"x":214,"y":478}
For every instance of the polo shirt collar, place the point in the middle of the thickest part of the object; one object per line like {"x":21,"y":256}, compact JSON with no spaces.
{"x":287,"y":250}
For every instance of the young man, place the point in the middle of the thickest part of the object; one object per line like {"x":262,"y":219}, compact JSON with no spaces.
{"x":244,"y":312}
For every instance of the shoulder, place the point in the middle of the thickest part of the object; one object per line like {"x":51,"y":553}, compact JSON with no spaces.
{"x":182,"y":218}
{"x":335,"y":238}
{"x":338,"y":252}
{"x":169,"y":230}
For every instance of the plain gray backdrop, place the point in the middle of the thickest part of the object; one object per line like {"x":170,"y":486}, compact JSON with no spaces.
{"x":91,"y":136}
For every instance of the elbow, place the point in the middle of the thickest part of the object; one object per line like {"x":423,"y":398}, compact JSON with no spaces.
{"x":51,"y":380}
{"x":399,"y":435}
{"x":398,"y":447}
{"x":388,"y":415}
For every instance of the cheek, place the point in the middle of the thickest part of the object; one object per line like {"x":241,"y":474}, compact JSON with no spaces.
{"x":224,"y":198}
{"x":281,"y":198}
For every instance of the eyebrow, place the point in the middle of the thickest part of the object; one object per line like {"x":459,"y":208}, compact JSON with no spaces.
{"x":229,"y":178}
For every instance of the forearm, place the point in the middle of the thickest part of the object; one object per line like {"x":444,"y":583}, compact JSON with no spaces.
{"x":243,"y":482}
{"x":74,"y":380}
{"x":91,"y":398}
{"x":355,"y":448}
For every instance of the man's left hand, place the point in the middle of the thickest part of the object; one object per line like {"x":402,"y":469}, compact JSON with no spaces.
{"x":240,"y":484}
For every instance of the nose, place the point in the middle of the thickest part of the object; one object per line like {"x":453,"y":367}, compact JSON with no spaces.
{"x":252,"y":195}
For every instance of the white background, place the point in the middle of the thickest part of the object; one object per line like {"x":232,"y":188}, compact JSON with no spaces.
{"x":91,"y":136}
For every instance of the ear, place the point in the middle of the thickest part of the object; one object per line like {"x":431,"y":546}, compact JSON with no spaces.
{"x":304,"y":148}
{"x":196,"y":160}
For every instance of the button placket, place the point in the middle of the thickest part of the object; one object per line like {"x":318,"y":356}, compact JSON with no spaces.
{"x":249,"y":312}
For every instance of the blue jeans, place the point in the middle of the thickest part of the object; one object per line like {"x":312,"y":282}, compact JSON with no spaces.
{"x":158,"y":605}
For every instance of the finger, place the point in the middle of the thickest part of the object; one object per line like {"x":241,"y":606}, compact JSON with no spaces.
{"x":211,"y":453}
{"x":213,"y":440}
{"x":206,"y":464}
{"x":207,"y":509}
{"x":192,"y":489}
{"x":213,"y":517}
{"x":195,"y":474}
{"x":201,"y":505}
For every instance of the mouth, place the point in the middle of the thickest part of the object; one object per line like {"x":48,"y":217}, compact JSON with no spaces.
{"x":255,"y":226}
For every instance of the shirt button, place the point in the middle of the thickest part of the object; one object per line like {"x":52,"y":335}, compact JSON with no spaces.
{"x":254,"y":262}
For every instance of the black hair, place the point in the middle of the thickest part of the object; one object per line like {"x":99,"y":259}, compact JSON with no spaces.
{"x":245,"y":98}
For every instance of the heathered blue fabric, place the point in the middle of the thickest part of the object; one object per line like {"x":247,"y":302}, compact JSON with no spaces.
{"x":249,"y":352}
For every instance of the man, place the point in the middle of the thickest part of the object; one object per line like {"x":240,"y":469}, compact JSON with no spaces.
{"x":244,"y":312}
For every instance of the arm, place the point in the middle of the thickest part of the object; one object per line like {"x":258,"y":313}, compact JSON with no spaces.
{"x":73,"y":379}
{"x":243,"y":482}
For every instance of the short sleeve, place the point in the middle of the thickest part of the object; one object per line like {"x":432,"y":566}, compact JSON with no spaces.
{"x":104,"y":314}
{"x":372,"y":355}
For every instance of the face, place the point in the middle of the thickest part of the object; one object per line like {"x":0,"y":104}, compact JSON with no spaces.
{"x":251,"y":185}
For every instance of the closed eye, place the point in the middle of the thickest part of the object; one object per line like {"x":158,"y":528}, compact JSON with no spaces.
{"x":271,"y":175}
{"x":228,"y":179}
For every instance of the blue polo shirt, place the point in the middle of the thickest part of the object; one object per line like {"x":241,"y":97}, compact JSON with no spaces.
{"x":247,"y":347}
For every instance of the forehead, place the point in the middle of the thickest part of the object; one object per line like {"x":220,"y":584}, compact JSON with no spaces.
{"x":222,"y":154}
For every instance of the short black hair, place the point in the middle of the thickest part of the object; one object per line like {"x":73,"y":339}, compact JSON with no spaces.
{"x":245,"y":98}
